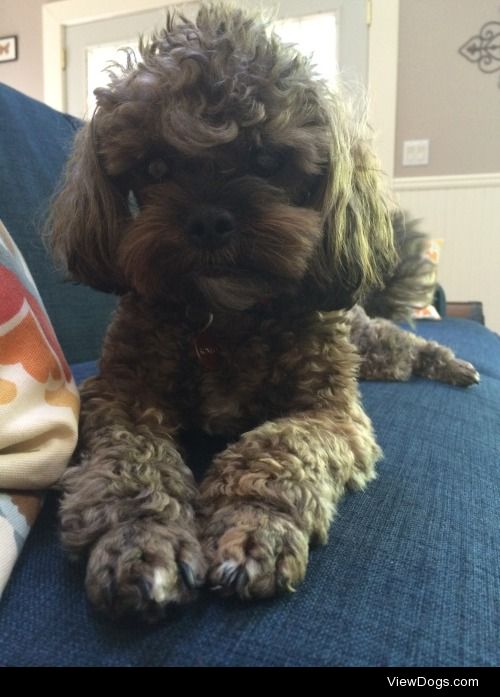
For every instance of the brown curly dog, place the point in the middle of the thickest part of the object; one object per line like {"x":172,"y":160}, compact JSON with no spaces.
{"x":234,"y":203}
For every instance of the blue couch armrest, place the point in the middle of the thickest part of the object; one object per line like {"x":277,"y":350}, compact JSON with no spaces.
{"x":82,"y":371}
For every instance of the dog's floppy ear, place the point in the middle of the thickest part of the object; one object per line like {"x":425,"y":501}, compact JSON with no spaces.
{"x":87,"y":217}
{"x":357,"y":250}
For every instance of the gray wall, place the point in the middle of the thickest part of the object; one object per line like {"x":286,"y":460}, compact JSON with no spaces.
{"x":442,"y":96}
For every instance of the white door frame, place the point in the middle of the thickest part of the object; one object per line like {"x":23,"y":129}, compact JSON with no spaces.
{"x":382,"y":66}
{"x":383,"y":45}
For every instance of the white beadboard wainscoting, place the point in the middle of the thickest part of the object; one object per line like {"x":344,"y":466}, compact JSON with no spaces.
{"x":465,"y":212}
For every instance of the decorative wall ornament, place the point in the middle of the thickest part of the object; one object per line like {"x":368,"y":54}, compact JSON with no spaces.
{"x":484,"y":48}
{"x":8,"y":48}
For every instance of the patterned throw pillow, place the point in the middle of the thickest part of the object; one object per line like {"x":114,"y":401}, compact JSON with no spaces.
{"x":39,"y":404}
{"x":433,"y":253}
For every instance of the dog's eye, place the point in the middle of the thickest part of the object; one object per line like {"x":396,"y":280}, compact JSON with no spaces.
{"x":304,"y":198}
{"x":157,"y":169}
{"x":267,"y":164}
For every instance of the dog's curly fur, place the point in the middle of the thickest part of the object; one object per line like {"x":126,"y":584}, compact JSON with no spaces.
{"x":258,"y":209}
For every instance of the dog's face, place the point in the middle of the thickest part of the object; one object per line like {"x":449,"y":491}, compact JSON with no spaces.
{"x":250,"y":179}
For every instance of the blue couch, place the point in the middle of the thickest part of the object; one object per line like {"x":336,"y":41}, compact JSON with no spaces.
{"x":411,"y":573}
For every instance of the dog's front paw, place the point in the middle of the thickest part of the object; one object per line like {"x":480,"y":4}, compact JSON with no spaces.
{"x":142,"y":567}
{"x":254,"y":552}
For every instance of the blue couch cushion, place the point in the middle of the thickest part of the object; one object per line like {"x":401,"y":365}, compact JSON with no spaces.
{"x":34,"y":144}
{"x":410,"y":575}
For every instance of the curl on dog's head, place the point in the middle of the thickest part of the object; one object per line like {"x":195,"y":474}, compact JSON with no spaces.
{"x":252,"y":179}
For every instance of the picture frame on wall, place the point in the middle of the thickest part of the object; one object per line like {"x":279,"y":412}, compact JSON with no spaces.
{"x":8,"y":49}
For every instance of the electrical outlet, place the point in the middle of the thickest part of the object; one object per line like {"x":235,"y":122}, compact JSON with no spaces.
{"x":415,"y":153}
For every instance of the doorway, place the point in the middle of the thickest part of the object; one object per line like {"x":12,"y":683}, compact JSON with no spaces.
{"x":334,"y":32}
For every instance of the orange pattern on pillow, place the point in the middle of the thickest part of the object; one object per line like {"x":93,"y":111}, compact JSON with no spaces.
{"x":8,"y":391}
{"x":38,"y":404}
{"x":62,"y":397}
{"x":25,"y":344}
{"x":14,"y":296}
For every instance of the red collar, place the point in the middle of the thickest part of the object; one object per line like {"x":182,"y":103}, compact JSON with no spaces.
{"x":206,"y":348}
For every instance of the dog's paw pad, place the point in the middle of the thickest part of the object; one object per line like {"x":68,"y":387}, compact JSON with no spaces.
{"x":254,"y":553}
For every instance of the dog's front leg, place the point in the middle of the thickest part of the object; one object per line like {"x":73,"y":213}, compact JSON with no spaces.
{"x":128,"y":505}
{"x":275,"y":490}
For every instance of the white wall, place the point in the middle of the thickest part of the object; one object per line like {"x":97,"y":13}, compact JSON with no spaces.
{"x":465,"y":212}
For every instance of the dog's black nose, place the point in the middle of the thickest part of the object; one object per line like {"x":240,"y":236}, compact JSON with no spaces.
{"x":210,"y":227}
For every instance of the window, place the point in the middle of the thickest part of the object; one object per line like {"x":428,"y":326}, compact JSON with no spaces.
{"x":97,"y":59}
{"x":315,"y":35}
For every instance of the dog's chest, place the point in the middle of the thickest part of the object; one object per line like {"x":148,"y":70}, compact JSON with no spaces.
{"x":228,"y":386}
{"x":239,"y":384}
